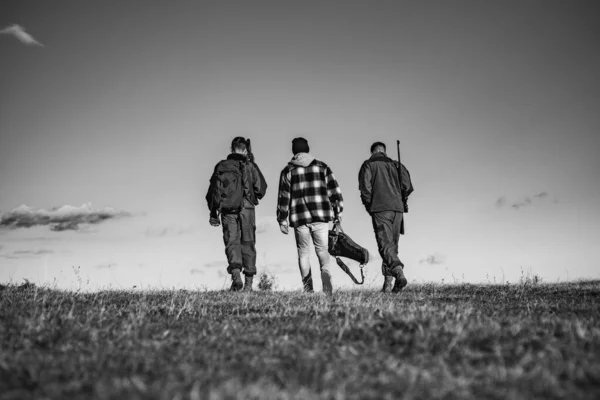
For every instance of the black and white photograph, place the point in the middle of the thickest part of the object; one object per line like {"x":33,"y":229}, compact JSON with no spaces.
{"x":299,"y":199}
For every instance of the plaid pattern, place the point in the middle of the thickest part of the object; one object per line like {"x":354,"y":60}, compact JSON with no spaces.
{"x":308,"y":194}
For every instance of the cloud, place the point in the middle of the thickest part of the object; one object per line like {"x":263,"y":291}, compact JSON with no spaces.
{"x":264,"y":225}
{"x":59,"y":219}
{"x":526,"y":201}
{"x":33,"y":252}
{"x":165,"y":231}
{"x":433,"y":259}
{"x":26,"y":253}
{"x":500,"y":202}
{"x":196,"y":271}
{"x":19,"y":32}
{"x":216,"y":264}
{"x":523,"y":202}
{"x":40,"y":239}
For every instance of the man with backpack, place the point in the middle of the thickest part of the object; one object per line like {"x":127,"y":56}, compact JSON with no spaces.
{"x":384,"y":195}
{"x":236,"y":186}
{"x":309,"y":197}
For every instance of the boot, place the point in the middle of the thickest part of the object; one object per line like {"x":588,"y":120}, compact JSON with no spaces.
{"x":388,"y":284}
{"x":307,"y":282}
{"x":400,"y":279}
{"x":236,"y":280}
{"x":248,"y":283}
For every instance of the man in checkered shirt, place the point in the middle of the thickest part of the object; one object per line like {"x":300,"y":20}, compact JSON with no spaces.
{"x":309,"y":197}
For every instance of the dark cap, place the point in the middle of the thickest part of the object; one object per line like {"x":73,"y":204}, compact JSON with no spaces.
{"x":300,"y":145}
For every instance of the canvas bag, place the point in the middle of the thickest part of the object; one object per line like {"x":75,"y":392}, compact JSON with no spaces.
{"x":341,"y":245}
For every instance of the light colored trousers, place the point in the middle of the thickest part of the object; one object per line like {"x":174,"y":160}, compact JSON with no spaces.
{"x":319,"y":232}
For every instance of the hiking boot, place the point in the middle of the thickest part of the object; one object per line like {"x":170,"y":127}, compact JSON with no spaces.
{"x":388,"y":284}
{"x":400,"y":279}
{"x":248,"y":283}
{"x":236,"y":281}
{"x":307,"y":282}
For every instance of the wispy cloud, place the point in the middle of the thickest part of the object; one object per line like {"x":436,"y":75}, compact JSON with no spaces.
{"x":501,"y":202}
{"x":19,"y":32}
{"x":26,"y":253}
{"x":264,"y":225}
{"x":216,"y":264}
{"x":196,"y":271}
{"x":166,"y":231}
{"x":523,"y":202}
{"x":433,"y":259}
{"x":58,"y":219}
{"x":38,"y":239}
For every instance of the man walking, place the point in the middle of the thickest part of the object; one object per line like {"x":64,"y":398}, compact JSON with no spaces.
{"x":236,"y":186}
{"x":309,"y":197}
{"x":381,"y":194}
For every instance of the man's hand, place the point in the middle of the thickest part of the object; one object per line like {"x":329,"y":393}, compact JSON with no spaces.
{"x":338,"y":219}
{"x":214,"y":221}
{"x":283,"y":226}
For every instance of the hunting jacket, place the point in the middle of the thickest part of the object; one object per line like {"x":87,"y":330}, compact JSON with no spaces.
{"x":379,"y":184}
{"x":308,"y":192}
{"x":255,"y":185}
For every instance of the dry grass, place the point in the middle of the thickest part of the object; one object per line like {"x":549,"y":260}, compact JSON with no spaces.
{"x":433,"y":341}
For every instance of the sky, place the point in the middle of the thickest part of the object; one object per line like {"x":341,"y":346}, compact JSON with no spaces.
{"x":113,"y":115}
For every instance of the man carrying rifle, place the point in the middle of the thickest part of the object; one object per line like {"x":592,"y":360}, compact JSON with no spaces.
{"x":384,"y":193}
{"x":236,"y":186}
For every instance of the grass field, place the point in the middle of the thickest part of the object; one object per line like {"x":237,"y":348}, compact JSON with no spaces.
{"x":520,"y":341}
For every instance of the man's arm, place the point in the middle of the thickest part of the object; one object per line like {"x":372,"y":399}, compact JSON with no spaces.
{"x":212,"y":199}
{"x":259,"y":184}
{"x":334,"y":193}
{"x":364,"y":185}
{"x":409,"y":189}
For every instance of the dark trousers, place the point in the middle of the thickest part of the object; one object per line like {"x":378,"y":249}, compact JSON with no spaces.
{"x":239,"y":236}
{"x":387,"y":225}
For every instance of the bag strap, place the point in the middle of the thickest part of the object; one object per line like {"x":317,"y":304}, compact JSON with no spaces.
{"x":345,"y":268}
{"x":337,"y":226}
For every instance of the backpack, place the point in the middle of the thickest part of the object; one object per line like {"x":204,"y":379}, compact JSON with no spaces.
{"x":229,"y":186}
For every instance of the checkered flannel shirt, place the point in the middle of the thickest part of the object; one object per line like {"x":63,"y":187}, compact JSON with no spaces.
{"x":308,"y":194}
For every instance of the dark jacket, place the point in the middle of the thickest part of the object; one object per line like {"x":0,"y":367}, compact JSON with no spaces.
{"x":379,"y":184}
{"x":255,"y":185}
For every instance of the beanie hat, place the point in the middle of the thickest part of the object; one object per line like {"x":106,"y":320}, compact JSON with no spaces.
{"x":300,"y":145}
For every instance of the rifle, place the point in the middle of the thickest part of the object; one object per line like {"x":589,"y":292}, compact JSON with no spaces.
{"x":402,"y":189}
{"x":250,"y":156}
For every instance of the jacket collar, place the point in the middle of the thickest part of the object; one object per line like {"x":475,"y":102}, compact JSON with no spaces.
{"x":378,"y":156}
{"x":236,"y":156}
